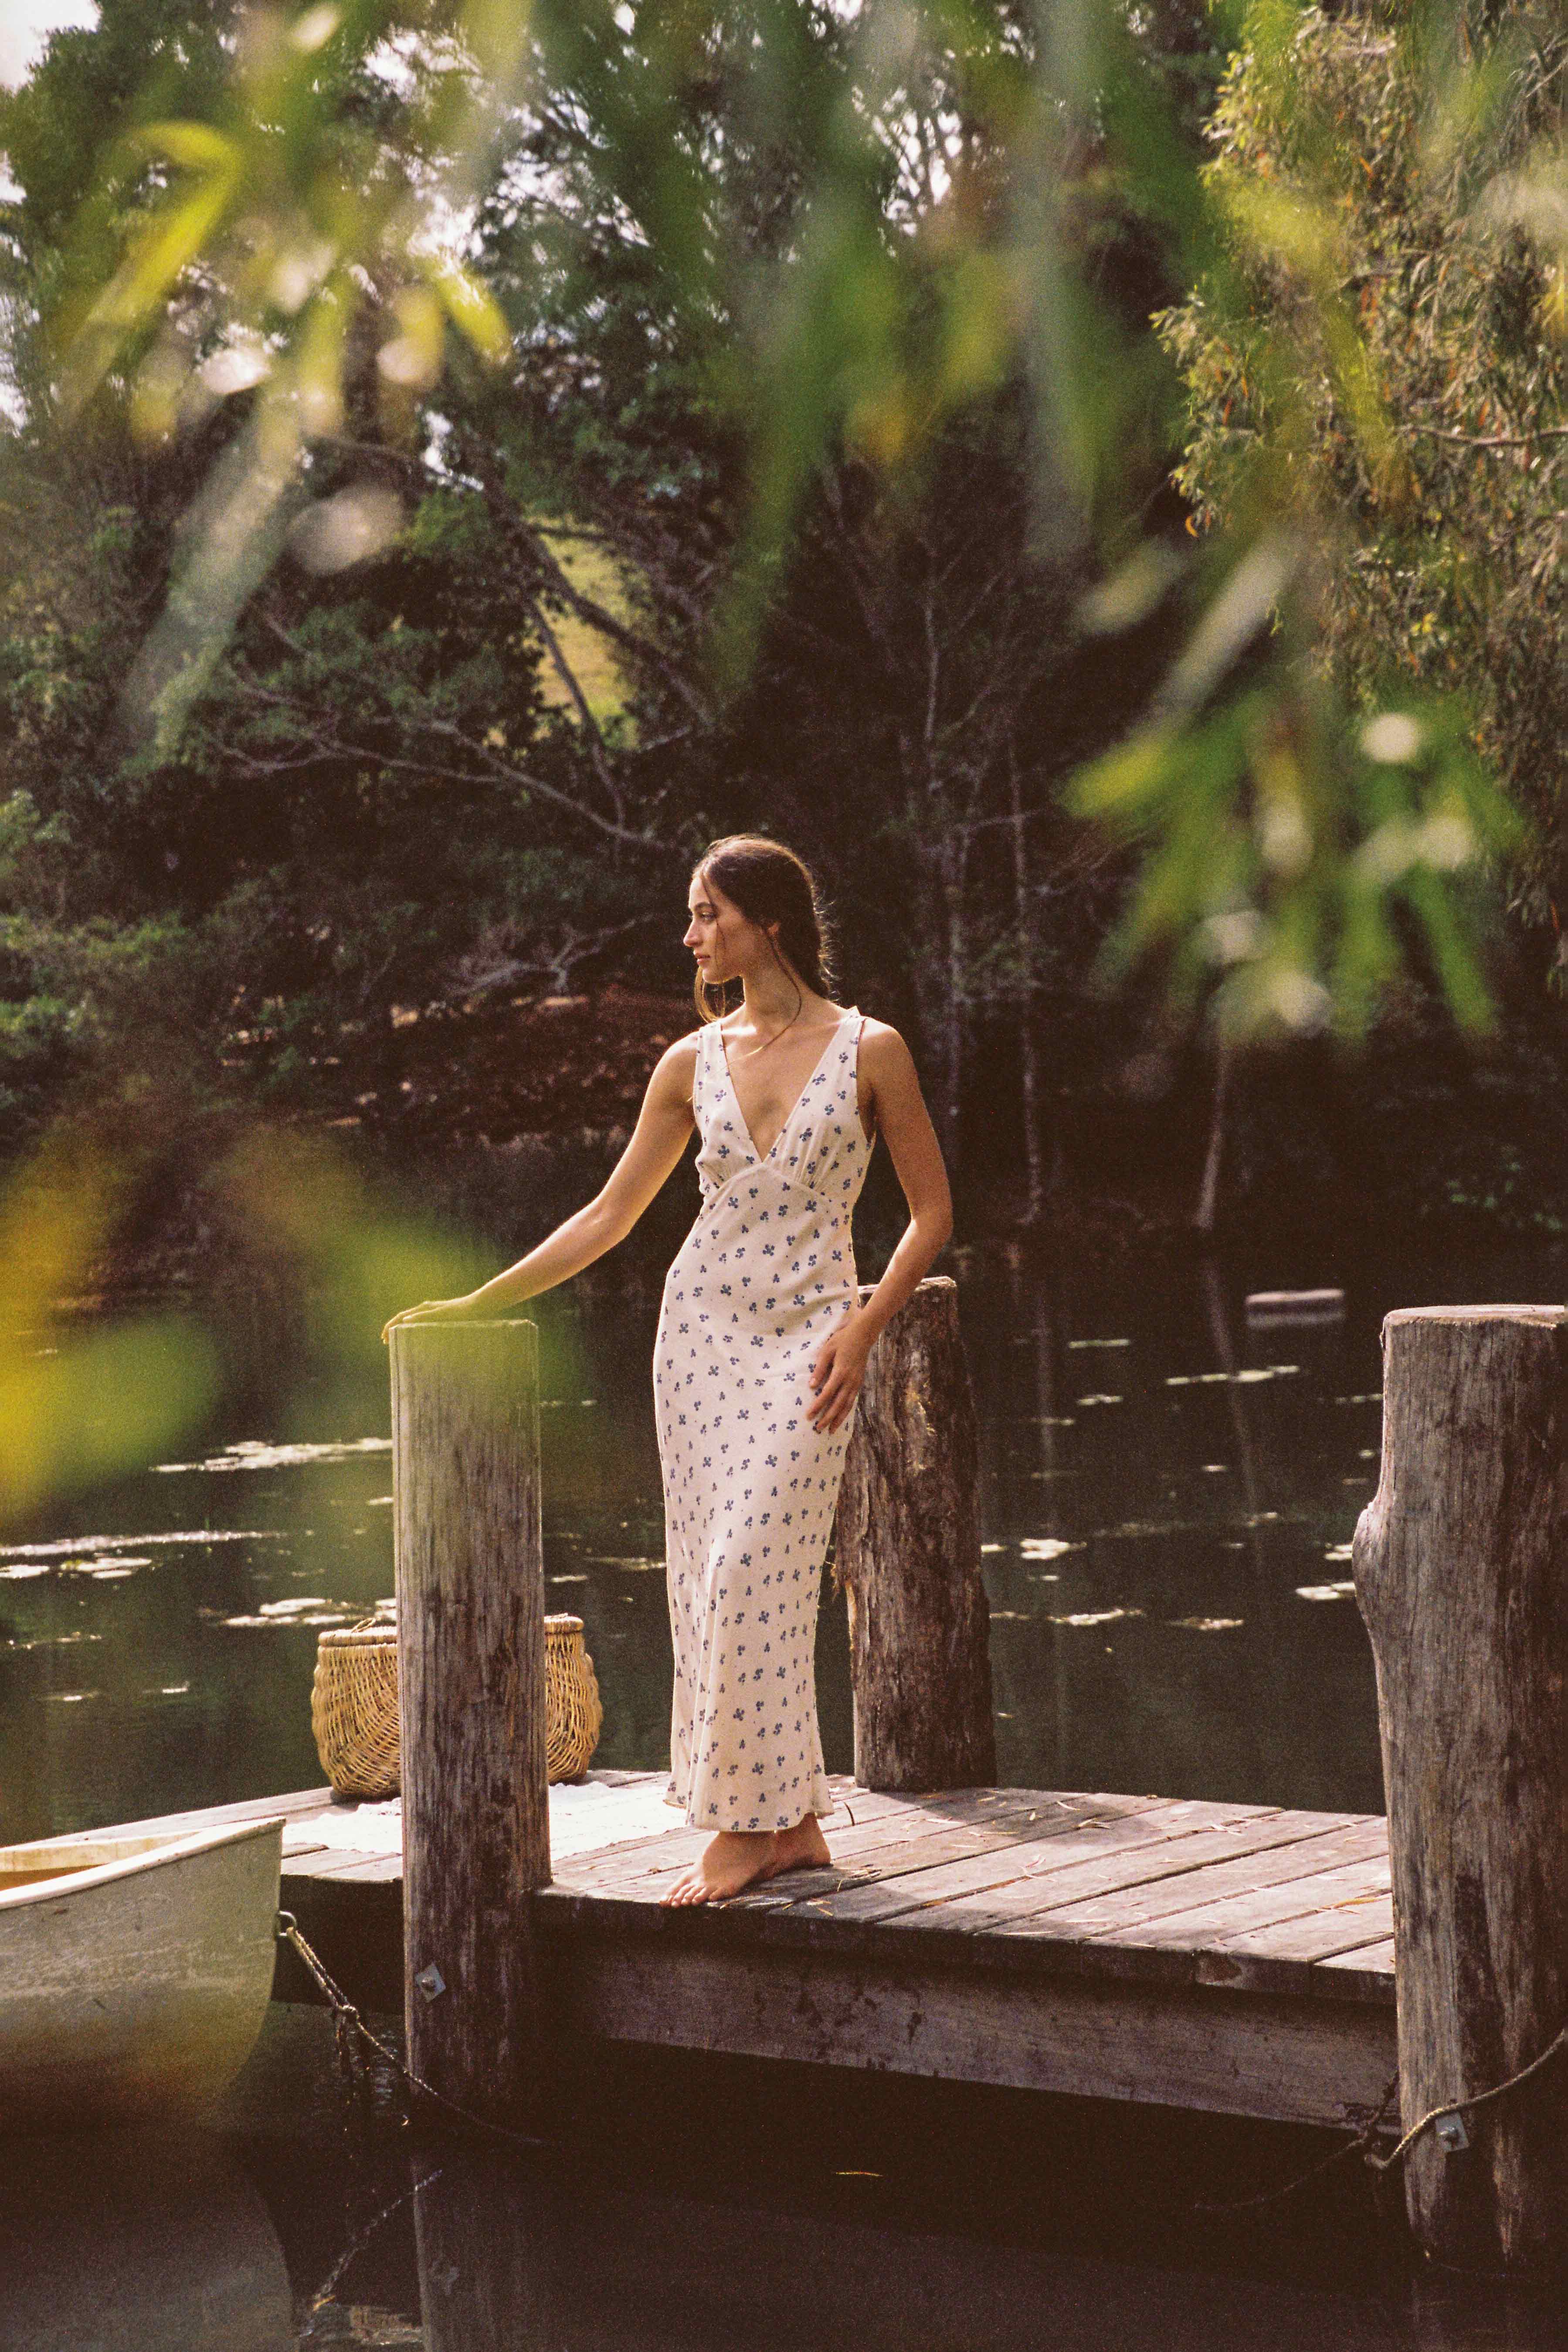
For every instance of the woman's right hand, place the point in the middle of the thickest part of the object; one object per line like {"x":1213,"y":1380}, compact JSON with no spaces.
{"x":430,"y":1310}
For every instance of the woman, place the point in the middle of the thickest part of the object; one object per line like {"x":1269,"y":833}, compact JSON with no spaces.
{"x":761,"y":1342}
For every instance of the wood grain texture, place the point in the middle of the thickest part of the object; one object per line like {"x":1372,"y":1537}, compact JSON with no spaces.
{"x":1461,"y":1570}
{"x":1140,"y":1855}
{"x":1286,"y":2060}
{"x":470,"y":1589}
{"x":908,"y":1555}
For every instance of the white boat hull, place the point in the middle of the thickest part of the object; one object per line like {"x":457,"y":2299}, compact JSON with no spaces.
{"x":134,"y":1979}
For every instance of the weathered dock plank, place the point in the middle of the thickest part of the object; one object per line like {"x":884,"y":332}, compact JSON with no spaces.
{"x":1229,"y":1957}
{"x":1275,"y":2058}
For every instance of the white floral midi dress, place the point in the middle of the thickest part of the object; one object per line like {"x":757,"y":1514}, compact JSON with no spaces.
{"x":750,"y":1486}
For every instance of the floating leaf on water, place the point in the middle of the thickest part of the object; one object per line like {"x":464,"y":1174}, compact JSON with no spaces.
{"x":1047,"y":1547}
{"x":1366,"y":1396}
{"x":1343,"y":1591}
{"x":998,"y":1615}
{"x":1101,"y":1400}
{"x":1206,"y":1624}
{"x":1049,"y":1576}
{"x":993,"y":1547}
{"x":70,"y":1698}
{"x":295,"y":1608}
{"x":1095,"y":1616}
{"x":20,"y":1567}
{"x":380,"y":1502}
{"x":1338,"y":1552}
{"x":1099,"y":1343}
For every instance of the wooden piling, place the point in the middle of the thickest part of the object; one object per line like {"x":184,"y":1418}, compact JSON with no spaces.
{"x":470,"y":1593}
{"x":1461,"y":1570}
{"x":907,"y":1554}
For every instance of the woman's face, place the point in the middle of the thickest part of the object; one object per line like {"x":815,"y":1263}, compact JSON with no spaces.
{"x":725,"y":943}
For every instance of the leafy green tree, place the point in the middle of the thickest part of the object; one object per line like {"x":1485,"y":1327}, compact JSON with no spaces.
{"x":1375,"y":377}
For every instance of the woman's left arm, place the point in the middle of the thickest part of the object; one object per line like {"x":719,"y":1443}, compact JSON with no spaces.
{"x":893,"y":1089}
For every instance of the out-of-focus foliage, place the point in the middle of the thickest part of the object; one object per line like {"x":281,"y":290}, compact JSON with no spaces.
{"x":463,"y":458}
{"x":75,"y":1407}
{"x":842,"y":229}
{"x":1375,"y":376}
{"x":479,"y":756}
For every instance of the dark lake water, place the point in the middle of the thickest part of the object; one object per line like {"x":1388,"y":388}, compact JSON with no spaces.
{"x":697,"y":2209}
{"x":1169,"y":1493}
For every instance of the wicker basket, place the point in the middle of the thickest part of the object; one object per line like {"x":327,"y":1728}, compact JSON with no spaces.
{"x":353,"y":1709}
{"x":573,"y":1712}
{"x":353,"y":1706}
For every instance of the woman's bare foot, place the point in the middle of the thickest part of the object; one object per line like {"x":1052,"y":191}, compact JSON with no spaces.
{"x":737,"y":1859}
{"x":802,"y":1848}
{"x":733,"y":1860}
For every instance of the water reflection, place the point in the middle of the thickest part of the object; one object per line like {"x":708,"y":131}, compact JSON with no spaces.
{"x":680,"y":2214}
{"x":128,"y":2243}
{"x":1167,"y":1499}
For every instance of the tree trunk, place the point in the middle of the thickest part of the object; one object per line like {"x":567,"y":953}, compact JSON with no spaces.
{"x":1461,"y":1569}
{"x":1028,"y":1045}
{"x":470,"y":1595}
{"x":955,"y":990}
{"x":1208,"y":1196}
{"x":908,"y":1552}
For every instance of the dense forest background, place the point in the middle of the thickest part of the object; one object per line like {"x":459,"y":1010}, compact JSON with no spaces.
{"x":406,"y":882}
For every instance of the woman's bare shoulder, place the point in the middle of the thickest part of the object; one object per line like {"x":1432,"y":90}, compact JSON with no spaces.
{"x":677,"y":1066}
{"x":883,"y":1048}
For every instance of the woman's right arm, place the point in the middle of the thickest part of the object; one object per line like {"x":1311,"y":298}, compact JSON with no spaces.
{"x":663,"y":1129}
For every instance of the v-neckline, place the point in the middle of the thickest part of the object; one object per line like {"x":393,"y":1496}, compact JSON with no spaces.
{"x":760,"y":1158}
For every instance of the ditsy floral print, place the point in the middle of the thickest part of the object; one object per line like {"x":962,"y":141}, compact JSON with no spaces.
{"x":750,"y":1486}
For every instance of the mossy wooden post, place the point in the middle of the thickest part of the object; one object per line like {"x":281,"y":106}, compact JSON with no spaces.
{"x":471,"y":1615}
{"x":1461,"y":1570}
{"x":907,"y":1553}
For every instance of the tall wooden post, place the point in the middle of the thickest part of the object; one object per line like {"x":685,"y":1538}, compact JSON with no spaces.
{"x":1461,"y":1570}
{"x":471,"y":1615}
{"x":907,"y":1553}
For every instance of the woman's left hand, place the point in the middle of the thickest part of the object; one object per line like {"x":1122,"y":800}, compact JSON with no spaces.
{"x":837,"y":1375}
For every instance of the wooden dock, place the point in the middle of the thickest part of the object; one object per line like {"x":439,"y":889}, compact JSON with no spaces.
{"x":1231,"y":1958}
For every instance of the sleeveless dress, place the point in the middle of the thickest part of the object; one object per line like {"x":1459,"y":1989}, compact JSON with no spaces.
{"x":750,"y":1486}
